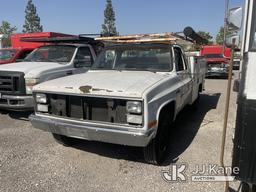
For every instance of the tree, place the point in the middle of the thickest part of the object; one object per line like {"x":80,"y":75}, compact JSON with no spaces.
{"x":205,"y":35}
{"x":220,"y":36}
{"x":109,"y":28}
{"x":32,"y":20}
{"x":7,"y":30}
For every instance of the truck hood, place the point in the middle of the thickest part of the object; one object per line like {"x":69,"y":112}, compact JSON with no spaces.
{"x":31,"y":69}
{"x":108,"y":83}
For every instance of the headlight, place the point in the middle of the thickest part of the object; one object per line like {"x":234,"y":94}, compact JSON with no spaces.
{"x":42,"y":108}
{"x":29,"y":84}
{"x":134,"y":107}
{"x":41,"y":98}
{"x":134,"y":119}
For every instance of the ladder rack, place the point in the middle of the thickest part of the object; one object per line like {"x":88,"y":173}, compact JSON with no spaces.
{"x":153,"y":37}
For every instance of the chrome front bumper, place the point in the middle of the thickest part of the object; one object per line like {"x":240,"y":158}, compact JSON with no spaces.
{"x":14,"y":102}
{"x":93,"y":131}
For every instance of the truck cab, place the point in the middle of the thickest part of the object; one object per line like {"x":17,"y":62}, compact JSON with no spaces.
{"x":45,"y":63}
{"x":130,"y":96}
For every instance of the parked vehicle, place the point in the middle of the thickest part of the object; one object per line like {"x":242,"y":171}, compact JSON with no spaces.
{"x":217,"y":62}
{"x":20,"y":49}
{"x":244,"y":152}
{"x":18,"y":39}
{"x":43,"y":64}
{"x":237,"y":60}
{"x":130,"y":96}
{"x":12,"y":55}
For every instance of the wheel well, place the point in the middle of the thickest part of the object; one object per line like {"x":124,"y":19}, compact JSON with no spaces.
{"x":168,"y":108}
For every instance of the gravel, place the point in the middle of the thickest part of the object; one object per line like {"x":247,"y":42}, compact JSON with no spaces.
{"x":30,"y":160}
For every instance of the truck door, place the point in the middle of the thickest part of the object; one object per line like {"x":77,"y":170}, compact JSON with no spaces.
{"x":83,"y":59}
{"x":187,"y":80}
{"x":180,"y":69}
{"x":184,"y":75}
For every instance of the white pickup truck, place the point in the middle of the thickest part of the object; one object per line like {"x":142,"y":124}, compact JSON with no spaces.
{"x":45,"y":63}
{"x":130,"y":96}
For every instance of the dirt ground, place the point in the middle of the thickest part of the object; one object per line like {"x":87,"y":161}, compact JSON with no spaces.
{"x":30,"y":160}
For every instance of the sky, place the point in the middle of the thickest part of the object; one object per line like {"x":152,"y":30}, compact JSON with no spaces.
{"x":132,"y":16}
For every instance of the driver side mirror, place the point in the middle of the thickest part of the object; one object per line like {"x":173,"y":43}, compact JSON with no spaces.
{"x":234,"y":19}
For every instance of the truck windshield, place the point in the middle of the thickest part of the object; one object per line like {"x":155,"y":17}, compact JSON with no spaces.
{"x":6,"y":55}
{"x":135,"y":57}
{"x":214,"y":56}
{"x":52,"y":53}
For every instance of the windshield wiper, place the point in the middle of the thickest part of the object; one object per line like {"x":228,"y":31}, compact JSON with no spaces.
{"x":136,"y":69}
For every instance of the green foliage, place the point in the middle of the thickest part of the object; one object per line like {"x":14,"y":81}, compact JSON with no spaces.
{"x":32,"y":20}
{"x":205,"y":35}
{"x":220,"y":36}
{"x":6,"y":28}
{"x":109,"y":28}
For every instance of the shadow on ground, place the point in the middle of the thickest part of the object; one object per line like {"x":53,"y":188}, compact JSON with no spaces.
{"x":17,"y":115}
{"x":184,"y":131}
{"x":188,"y":124}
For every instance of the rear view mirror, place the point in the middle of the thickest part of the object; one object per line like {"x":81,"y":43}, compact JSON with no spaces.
{"x":234,"y":19}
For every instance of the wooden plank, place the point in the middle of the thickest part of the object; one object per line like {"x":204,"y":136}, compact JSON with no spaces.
{"x":146,"y":40}
{"x":136,"y":36}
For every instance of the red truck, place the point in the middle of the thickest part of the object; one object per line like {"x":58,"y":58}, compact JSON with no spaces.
{"x":20,"y":49}
{"x":217,"y":58}
{"x":12,"y":55}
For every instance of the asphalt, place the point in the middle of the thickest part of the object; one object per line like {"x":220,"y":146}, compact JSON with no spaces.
{"x":30,"y":160}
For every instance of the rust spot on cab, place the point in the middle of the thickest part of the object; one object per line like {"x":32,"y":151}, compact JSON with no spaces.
{"x":85,"y":89}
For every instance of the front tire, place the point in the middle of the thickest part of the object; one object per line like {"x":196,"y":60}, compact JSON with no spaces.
{"x":156,"y":152}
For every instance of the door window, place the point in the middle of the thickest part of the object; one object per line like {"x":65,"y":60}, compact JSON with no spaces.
{"x":83,"y":57}
{"x":23,"y":55}
{"x":179,"y":60}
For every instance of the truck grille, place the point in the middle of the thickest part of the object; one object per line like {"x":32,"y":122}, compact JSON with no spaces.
{"x":12,"y":83}
{"x":88,"y":108}
{"x":215,"y":64}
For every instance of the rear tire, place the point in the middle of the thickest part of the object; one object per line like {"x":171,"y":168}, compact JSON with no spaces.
{"x":156,"y":151}
{"x":63,"y":140}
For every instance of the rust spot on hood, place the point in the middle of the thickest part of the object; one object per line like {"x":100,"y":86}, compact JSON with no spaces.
{"x":85,"y":89}
{"x":96,"y":89}
{"x":88,"y":89}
